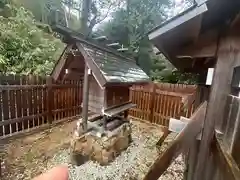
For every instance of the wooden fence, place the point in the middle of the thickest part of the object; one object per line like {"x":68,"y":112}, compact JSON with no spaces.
{"x":156,"y":103}
{"x":27,"y":102}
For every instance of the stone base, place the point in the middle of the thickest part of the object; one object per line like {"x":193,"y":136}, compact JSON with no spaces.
{"x":101,"y":149}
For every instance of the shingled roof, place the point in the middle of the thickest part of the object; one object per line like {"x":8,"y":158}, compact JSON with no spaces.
{"x":108,"y":66}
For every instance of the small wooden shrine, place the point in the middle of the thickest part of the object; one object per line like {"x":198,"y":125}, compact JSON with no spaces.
{"x":107,"y":76}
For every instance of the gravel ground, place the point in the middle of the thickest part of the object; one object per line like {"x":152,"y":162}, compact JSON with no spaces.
{"x":131,"y":164}
{"x":36,"y":154}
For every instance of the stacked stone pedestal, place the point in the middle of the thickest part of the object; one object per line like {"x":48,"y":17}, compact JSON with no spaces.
{"x":101,"y":149}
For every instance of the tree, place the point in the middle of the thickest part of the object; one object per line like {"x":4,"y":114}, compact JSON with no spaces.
{"x":40,"y":9}
{"x":137,"y":19}
{"x":24,"y":48}
{"x":99,"y":10}
{"x":46,"y":11}
{"x":144,"y":55}
{"x":128,"y":25}
{"x":161,"y":68}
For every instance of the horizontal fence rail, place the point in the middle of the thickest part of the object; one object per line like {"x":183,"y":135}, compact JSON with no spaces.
{"x":27,"y":102}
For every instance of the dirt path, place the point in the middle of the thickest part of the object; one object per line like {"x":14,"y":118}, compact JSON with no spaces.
{"x":28,"y":156}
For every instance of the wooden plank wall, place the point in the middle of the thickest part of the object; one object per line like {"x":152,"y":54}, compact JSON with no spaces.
{"x":116,"y":95}
{"x":96,"y":96}
{"x":27,"y":102}
{"x":156,"y":103}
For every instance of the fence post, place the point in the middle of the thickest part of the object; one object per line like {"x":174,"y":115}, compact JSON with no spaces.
{"x":152,"y":100}
{"x":50,"y":100}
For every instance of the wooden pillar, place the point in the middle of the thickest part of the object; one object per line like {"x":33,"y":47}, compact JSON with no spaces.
{"x":210,"y":168}
{"x":228,"y":58}
{"x":85,"y":98}
{"x":192,"y":159}
{"x":105,"y":106}
{"x":126,"y":114}
{"x":0,"y":167}
{"x":50,"y":100}
{"x":153,"y":94}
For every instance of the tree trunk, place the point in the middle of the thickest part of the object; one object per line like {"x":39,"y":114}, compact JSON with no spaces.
{"x":128,"y":23}
{"x":85,"y":15}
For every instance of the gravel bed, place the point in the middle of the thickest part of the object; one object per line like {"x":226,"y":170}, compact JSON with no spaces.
{"x":32,"y":156}
{"x":175,"y":171}
{"x":132,"y":164}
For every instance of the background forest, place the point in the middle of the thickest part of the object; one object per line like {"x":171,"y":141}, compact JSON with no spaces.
{"x":28,"y":45}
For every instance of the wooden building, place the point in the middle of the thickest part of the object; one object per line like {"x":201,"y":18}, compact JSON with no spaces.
{"x":107,"y":76}
{"x":207,"y":35}
{"x":107,"y":73}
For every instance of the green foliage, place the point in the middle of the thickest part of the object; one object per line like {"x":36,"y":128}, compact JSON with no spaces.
{"x":45,"y":11}
{"x":116,"y":29}
{"x":161,"y":68}
{"x":175,"y":76}
{"x":24,"y":47}
{"x":163,"y":71}
{"x":129,"y":24}
{"x":144,"y":55}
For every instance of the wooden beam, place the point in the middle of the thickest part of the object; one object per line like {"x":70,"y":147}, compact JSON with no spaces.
{"x":101,"y":80}
{"x":61,"y":63}
{"x":191,"y":14}
{"x":85,"y":98}
{"x":205,"y":46}
{"x":228,"y":58}
{"x":183,"y":140}
{"x":121,"y":108}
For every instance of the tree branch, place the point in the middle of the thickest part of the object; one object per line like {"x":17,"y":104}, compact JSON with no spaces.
{"x":94,"y":20}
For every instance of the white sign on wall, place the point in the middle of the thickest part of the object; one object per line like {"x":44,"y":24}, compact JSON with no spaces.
{"x":176,"y":125}
{"x":210,"y":76}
